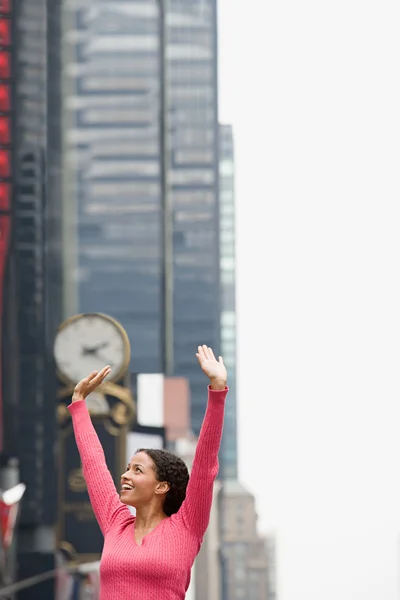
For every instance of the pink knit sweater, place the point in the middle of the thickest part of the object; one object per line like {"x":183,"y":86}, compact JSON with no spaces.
{"x":160,"y":568}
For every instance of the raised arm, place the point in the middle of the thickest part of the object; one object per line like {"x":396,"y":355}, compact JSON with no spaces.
{"x":196,"y":508}
{"x":102,"y":492}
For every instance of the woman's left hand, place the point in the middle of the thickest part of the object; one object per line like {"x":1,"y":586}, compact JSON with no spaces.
{"x":213,"y":368}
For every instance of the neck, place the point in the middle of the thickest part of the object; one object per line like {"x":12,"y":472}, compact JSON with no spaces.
{"x":149,"y":517}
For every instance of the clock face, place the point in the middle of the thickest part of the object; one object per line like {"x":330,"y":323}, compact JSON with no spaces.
{"x":88,"y":343}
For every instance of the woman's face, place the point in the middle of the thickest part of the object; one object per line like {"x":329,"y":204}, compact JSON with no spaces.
{"x":139,"y":484}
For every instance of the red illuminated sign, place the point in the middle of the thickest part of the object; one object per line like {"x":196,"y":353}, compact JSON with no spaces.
{"x":5,"y":195}
{"x":5,"y":99}
{"x":5,"y":64}
{"x":5,"y":137}
{"x":5,"y":163}
{"x":5,"y":6}
{"x":5,"y":32}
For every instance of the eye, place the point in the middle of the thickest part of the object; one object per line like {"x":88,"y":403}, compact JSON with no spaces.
{"x":138,"y":469}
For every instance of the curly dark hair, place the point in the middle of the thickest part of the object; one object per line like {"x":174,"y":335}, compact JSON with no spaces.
{"x":172,"y":469}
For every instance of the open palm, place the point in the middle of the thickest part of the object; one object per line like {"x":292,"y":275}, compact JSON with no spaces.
{"x":89,"y":384}
{"x":213,"y":368}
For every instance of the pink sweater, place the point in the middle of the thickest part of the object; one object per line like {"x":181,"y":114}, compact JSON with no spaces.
{"x":160,"y":568}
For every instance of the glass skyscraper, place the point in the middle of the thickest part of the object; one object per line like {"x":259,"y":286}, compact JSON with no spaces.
{"x":119,"y":221}
{"x":228,"y":295}
{"x":113,"y":169}
{"x":194,"y":183}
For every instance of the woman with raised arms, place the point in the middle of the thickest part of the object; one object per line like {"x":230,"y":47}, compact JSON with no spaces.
{"x":150,"y":556}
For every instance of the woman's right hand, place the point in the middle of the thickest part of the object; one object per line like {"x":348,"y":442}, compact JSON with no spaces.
{"x":213,"y":368}
{"x":89,"y":384}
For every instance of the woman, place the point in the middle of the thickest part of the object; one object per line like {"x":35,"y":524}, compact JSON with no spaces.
{"x":149,"y":557}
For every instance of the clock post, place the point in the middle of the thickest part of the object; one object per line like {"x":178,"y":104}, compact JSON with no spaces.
{"x":86,"y":343}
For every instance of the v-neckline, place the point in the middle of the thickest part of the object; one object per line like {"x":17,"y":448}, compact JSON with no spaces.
{"x":147,"y":534}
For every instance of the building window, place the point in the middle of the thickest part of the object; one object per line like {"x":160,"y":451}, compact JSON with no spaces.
{"x":115,"y":115}
{"x":226,"y":168}
{"x":187,"y":157}
{"x":228,"y":318}
{"x":192,"y":176}
{"x":195,"y":197}
{"x":227,"y":277}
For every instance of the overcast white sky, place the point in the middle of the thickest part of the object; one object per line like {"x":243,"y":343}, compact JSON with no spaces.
{"x":312,"y":89}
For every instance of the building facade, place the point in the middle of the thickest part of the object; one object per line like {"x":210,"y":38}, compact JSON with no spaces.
{"x":113,"y":180}
{"x":193,"y":180}
{"x":245,"y":552}
{"x":228,"y":295}
{"x":32,"y":286}
{"x":248,"y":562}
{"x":141,"y":178}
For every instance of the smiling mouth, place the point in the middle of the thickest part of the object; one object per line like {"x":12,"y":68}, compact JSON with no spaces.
{"x":126,"y":488}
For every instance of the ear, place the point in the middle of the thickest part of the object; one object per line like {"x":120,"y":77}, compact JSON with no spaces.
{"x":162,"y":487}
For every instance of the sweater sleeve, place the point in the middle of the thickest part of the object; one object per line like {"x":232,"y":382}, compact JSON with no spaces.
{"x":100,"y":484}
{"x":196,"y":508}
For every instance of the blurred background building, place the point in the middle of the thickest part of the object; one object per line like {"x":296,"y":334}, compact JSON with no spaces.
{"x":191,"y":49}
{"x":247,"y":555}
{"x":30,"y":157}
{"x":228,"y":295}
{"x":141,"y":177}
{"x":117,"y":196}
{"x":245,"y":564}
{"x":113,"y":194}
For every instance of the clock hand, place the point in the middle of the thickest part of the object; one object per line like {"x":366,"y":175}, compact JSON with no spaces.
{"x":86,"y":351}
{"x":95,"y":349}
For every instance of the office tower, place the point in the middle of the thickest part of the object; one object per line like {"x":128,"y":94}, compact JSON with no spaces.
{"x":228,"y":295}
{"x":193,"y":182}
{"x":113,"y":200}
{"x":32,"y":278}
{"x":144,"y":239}
{"x":228,"y":454}
{"x":246,"y":554}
